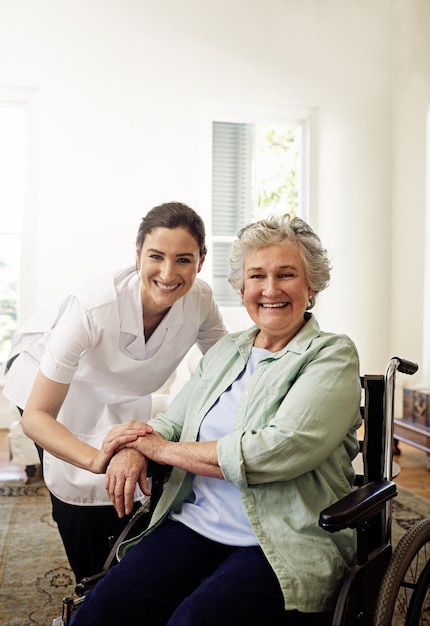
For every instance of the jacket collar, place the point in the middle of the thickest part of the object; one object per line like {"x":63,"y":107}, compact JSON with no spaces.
{"x":298,"y":344}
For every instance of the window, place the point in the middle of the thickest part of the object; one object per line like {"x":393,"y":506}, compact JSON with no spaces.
{"x":259,"y":167}
{"x":16,"y":122}
{"x":12,"y":167}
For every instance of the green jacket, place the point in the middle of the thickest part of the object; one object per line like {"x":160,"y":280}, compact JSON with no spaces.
{"x":290,"y":452}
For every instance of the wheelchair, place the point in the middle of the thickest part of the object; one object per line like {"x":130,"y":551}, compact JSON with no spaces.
{"x":384,"y":587}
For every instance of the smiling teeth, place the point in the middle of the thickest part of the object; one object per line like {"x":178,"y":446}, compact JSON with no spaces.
{"x":166,"y":287}
{"x":277,"y":305}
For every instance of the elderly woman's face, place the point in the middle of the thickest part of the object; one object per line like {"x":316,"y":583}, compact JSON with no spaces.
{"x":276,"y":290}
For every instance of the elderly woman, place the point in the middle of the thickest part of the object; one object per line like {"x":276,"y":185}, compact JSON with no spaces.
{"x":261,"y":440}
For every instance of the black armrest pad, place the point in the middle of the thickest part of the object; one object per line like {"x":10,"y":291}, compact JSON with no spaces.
{"x":157,"y":469}
{"x":358,"y":506}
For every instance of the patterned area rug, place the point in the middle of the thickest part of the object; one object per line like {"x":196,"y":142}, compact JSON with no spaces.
{"x":34,"y":572}
{"x":408,"y":508}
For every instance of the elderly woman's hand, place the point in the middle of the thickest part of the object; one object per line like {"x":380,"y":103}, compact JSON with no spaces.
{"x":151,"y":445}
{"x":116,"y":439}
{"x":124,"y":468}
{"x":127,"y":468}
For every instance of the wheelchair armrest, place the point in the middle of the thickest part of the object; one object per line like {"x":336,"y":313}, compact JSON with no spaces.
{"x":156,"y":470}
{"x":358,"y":506}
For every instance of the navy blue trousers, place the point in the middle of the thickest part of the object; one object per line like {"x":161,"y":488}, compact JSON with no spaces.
{"x":176,"y":577}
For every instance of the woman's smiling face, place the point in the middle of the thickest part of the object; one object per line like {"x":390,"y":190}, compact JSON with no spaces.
{"x":169,"y":262}
{"x":276,"y":291}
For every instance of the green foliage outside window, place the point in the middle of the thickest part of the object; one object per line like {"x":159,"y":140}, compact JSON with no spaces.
{"x":277,"y":165}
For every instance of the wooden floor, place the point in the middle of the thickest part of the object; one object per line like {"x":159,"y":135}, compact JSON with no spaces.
{"x":413,"y":473}
{"x":413,"y":470}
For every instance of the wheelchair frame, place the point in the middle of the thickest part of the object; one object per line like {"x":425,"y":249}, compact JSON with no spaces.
{"x":384,"y":587}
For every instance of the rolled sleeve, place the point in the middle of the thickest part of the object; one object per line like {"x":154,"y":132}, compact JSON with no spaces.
{"x":230,"y":459}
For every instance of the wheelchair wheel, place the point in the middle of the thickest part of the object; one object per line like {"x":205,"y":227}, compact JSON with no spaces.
{"x":404,"y":597}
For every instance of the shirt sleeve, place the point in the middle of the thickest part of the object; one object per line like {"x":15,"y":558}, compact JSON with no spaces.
{"x":69,"y":339}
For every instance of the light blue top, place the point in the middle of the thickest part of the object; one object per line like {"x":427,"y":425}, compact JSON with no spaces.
{"x":215,"y":508}
{"x":290,"y":452}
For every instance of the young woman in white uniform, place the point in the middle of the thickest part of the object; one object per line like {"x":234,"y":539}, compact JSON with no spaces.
{"x":94,"y":363}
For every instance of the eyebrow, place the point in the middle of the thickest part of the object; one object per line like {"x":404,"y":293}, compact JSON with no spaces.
{"x":281,"y":267}
{"x":181,"y":254}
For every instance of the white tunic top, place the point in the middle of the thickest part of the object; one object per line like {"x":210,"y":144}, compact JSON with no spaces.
{"x":95,"y":342}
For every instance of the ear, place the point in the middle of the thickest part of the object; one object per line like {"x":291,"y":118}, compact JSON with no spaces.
{"x":201,"y":261}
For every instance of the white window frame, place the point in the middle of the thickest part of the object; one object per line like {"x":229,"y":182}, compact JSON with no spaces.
{"x":27,"y":99}
{"x":255,"y":114}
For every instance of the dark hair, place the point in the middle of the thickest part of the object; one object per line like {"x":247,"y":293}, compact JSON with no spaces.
{"x":173,"y":215}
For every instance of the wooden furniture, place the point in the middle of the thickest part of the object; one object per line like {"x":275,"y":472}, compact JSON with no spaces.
{"x":412,"y":433}
{"x":414,"y":427}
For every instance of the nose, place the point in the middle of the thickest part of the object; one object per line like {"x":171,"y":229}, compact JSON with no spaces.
{"x":167,"y":271}
{"x":271,"y":286}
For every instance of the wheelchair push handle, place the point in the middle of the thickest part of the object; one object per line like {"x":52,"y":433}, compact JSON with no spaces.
{"x":406,"y":367}
{"x":396,"y":364}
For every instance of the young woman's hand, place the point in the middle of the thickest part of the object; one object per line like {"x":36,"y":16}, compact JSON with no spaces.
{"x":116,"y":439}
{"x":122,"y":434}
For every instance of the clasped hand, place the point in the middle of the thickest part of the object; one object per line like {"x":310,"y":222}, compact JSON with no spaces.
{"x":131,"y":444}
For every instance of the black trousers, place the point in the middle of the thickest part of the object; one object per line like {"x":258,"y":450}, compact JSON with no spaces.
{"x":88,"y":533}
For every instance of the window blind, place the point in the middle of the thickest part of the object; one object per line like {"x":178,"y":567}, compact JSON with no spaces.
{"x":231,"y":198}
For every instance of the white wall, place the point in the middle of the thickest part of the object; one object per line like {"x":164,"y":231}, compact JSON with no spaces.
{"x":410,"y":285}
{"x":119,"y":90}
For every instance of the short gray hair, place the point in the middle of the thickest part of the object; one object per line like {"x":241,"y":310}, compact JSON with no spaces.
{"x":277,"y":229}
